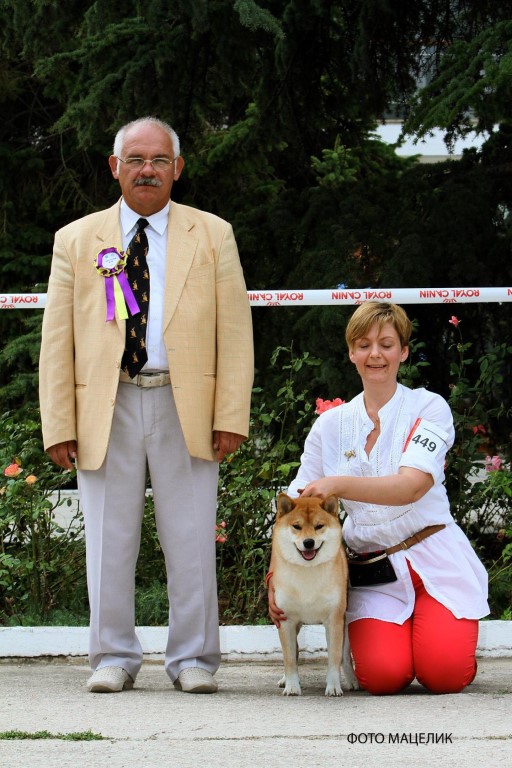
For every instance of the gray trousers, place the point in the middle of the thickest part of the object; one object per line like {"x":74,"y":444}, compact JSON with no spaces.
{"x":146,"y":428}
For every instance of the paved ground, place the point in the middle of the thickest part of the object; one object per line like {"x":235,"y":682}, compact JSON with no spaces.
{"x":248,"y":723}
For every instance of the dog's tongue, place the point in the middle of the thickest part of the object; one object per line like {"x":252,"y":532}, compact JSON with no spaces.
{"x":308,"y":554}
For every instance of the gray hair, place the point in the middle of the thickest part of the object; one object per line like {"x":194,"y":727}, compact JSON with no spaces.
{"x":119,"y":140}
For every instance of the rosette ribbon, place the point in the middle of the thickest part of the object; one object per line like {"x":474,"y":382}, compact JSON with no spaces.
{"x":111,"y":264}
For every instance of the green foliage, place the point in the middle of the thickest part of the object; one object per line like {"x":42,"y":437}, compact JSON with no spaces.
{"x":479,"y":472}
{"x":254,"y":17}
{"x":411,"y":373}
{"x":368,"y":162}
{"x":443,"y":224}
{"x":41,"y":562}
{"x":37,"y":735}
{"x":275,"y":104}
{"x":479,"y":494}
{"x":19,"y":359}
{"x":476,"y":405}
{"x":249,"y":483}
{"x":151,"y":602}
{"x":42,"y":565}
{"x":472,"y":90}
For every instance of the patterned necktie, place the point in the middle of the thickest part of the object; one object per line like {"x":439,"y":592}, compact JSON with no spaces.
{"x":135,"y":353}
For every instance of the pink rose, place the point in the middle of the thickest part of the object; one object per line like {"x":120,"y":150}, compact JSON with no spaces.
{"x":478,"y":428}
{"x":326,"y":405}
{"x":220,"y":536}
{"x":13,"y":470}
{"x":493,"y":463}
{"x":454,"y":321}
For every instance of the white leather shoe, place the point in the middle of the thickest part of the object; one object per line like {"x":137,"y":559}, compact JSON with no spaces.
{"x":109,"y":680}
{"x":195,"y":680}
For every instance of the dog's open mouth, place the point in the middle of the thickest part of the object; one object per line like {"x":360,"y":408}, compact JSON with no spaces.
{"x":310,"y":554}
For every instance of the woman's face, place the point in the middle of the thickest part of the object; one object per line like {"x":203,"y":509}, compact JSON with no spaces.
{"x":377,"y":356}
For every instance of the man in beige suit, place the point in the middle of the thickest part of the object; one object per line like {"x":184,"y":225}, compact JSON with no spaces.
{"x":180,"y":416}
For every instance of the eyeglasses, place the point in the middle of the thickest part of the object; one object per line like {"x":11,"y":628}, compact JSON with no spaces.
{"x":157,"y":163}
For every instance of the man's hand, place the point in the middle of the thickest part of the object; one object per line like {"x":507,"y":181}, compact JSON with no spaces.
{"x":226,"y":442}
{"x":63,"y":453}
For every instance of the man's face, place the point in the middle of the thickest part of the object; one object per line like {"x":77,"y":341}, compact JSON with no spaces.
{"x":146,"y":190}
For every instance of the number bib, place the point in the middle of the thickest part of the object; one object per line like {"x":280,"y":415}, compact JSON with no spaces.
{"x":425,"y":439}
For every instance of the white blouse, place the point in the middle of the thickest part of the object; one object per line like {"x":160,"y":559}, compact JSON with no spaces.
{"x":446,"y":561}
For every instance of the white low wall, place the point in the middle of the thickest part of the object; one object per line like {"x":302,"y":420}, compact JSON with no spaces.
{"x":237,"y":642}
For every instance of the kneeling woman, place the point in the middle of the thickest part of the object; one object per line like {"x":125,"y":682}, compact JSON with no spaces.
{"x":415,"y":612}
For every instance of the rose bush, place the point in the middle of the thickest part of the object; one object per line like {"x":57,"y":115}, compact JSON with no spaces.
{"x":42,"y":566}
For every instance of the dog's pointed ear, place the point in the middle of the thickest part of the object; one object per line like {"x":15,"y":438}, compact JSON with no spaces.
{"x":284,"y":504}
{"x":330,"y":504}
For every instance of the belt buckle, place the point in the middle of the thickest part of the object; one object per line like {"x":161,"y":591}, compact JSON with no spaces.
{"x":148,"y":379}
{"x":151,"y":379}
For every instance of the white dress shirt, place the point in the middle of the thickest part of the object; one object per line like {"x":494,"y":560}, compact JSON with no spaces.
{"x":157,"y":257}
{"x":446,"y":561}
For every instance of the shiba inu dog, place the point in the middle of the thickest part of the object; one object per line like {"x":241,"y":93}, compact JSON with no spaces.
{"x":310,"y":579}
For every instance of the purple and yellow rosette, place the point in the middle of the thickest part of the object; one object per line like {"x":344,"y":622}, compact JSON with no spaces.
{"x":111,"y":264}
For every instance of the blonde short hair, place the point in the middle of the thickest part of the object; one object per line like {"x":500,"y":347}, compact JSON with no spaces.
{"x":372,"y":312}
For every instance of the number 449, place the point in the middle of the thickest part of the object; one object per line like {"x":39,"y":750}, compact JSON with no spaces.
{"x":430,"y":445}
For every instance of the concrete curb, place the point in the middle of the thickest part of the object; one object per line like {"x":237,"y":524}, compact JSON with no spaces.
{"x":237,"y":642}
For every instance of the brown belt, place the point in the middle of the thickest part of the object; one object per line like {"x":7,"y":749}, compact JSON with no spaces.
{"x":415,"y":538}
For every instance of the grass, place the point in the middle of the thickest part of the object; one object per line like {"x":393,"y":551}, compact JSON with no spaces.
{"x":74,"y":736}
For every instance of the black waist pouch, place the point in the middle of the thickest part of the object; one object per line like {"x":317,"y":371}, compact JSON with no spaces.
{"x":369,"y":569}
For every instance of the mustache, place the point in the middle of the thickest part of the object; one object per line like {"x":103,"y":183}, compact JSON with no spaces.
{"x":148,"y":182}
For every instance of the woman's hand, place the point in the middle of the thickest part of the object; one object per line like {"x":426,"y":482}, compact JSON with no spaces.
{"x":406,"y":487}
{"x":275,"y":613}
{"x":324,"y":486}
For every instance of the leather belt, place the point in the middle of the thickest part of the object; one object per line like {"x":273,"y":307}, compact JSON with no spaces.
{"x":150,"y":379}
{"x":415,"y":538}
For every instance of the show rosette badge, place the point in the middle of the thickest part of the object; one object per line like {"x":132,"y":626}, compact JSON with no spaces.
{"x":111,"y":264}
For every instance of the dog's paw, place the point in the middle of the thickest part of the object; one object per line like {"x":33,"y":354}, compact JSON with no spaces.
{"x":292,"y":685}
{"x":282,"y":682}
{"x":333,"y":684}
{"x":292,"y":689}
{"x":351,"y":682}
{"x":334,"y":690}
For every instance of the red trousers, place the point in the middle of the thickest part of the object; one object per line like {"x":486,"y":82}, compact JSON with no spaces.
{"x":432,"y":645}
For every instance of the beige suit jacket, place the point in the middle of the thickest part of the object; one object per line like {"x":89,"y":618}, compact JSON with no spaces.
{"x":207,"y":333}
